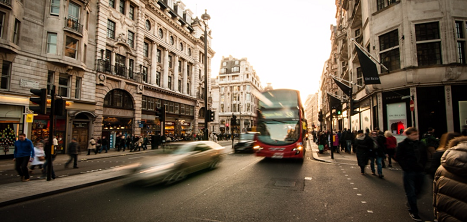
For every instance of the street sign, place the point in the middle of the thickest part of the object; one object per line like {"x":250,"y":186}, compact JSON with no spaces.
{"x":412,"y":106}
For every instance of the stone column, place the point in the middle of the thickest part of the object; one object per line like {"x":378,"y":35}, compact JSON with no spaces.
{"x":184,"y":80}
{"x":112,"y":62}
{"x":449,"y":109}
{"x":193,"y":83}
{"x":152,"y":80}
{"x":165,"y":75}
{"x":175,"y":84}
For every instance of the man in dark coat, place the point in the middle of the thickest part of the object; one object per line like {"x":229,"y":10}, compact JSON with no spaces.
{"x":73,"y":148}
{"x":364,"y":145}
{"x":24,"y":152}
{"x":411,"y":155}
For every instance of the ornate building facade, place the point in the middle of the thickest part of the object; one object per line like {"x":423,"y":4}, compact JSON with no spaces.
{"x":424,"y":54}
{"x":149,"y":55}
{"x":235,"y":86}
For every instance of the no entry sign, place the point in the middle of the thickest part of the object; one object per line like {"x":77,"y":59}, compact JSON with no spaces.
{"x":412,"y":105}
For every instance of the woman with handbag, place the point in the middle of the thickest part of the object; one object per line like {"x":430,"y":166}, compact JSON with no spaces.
{"x":39,"y":157}
{"x":91,"y":146}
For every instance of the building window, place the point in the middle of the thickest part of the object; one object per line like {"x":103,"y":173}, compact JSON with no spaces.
{"x":71,"y":47}
{"x":381,"y":4}
{"x":170,"y":82}
{"x":428,"y":44}
{"x":222,"y":108}
{"x":64,"y":85}
{"x":159,"y":58}
{"x":131,"y":67}
{"x":146,"y":49}
{"x":118,"y":99}
{"x":189,"y":51}
{"x":182,"y":109}
{"x":236,"y":69}
{"x":148,"y":25}
{"x":79,"y":80}
{"x":73,"y":11}
{"x":50,"y":82}
{"x":460,"y":36}
{"x":172,"y":40}
{"x":179,"y":66}
{"x":236,"y":62}
{"x":389,"y":50}
{"x":55,"y":7}
{"x":176,"y":108}
{"x":16,"y":32}
{"x":160,"y":33}
{"x":181,"y":46}
{"x":52,"y":43}
{"x":144,"y":103}
{"x":145,"y":74}
{"x":359,"y":76}
{"x":111,"y":29}
{"x":170,"y":61}
{"x":2,"y":22}
{"x":158,"y":78}
{"x":5,"y":79}
{"x":224,"y":64}
{"x":179,"y":85}
{"x":122,"y":6}
{"x":131,"y":12}
{"x":131,"y":38}
{"x":112,"y":3}
{"x":188,"y":88}
{"x":222,"y":70}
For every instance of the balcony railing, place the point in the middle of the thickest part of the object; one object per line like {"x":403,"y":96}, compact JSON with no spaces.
{"x":118,"y":70}
{"x":73,"y":24}
{"x":6,"y":2}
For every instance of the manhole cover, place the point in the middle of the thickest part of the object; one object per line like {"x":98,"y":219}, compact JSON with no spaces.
{"x":281,"y":183}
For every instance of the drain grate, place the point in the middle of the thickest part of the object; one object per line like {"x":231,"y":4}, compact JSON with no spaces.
{"x":286,"y":184}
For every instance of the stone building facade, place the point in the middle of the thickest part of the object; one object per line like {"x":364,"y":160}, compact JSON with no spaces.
{"x":235,"y":86}
{"x":149,"y":55}
{"x":311,"y":111}
{"x":46,"y":44}
{"x":422,"y":45}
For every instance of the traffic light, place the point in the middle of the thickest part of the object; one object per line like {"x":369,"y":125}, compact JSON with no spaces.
{"x":41,"y":101}
{"x":234,"y":120}
{"x":320,"y":116}
{"x":160,"y":113}
{"x":338,"y":111}
{"x":212,"y":115}
{"x":60,"y":105}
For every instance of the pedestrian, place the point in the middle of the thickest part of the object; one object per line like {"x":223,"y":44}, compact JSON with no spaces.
{"x":391,"y":143}
{"x":145,"y":142}
{"x":139,"y":143}
{"x":377,"y":154}
{"x":443,"y":145}
{"x":122,"y":143}
{"x":98,"y":145}
{"x":340,"y":146}
{"x":411,"y":154}
{"x":55,"y":141}
{"x":24,"y":152}
{"x":362,"y":144}
{"x":104,"y":144}
{"x":117,"y":142}
{"x":348,"y":138}
{"x":450,"y":183}
{"x":46,"y":164}
{"x":335,"y":142}
{"x":91,"y":145}
{"x":73,"y":148}
{"x":381,"y":139}
{"x":39,"y":157}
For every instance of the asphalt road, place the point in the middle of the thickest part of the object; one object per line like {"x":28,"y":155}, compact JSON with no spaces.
{"x":242,"y":188}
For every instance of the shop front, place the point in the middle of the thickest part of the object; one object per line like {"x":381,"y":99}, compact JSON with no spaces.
{"x":41,"y":130}
{"x":114,"y":127}
{"x":11,"y":124}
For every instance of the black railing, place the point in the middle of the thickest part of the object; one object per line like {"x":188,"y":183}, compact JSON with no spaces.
{"x":6,"y":2}
{"x":73,"y":24}
{"x":118,"y":70}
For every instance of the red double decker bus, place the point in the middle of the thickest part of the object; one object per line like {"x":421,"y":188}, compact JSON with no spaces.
{"x":281,"y":125}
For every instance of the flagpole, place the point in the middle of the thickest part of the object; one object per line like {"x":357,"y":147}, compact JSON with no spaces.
{"x":367,"y":53}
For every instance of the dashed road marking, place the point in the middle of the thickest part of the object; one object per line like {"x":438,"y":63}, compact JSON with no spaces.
{"x":369,"y":211}
{"x":363,"y":202}
{"x":359,"y":194}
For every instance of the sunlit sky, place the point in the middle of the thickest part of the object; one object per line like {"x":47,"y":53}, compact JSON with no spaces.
{"x":286,"y":42}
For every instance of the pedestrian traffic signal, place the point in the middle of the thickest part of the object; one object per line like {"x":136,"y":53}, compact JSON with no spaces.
{"x":41,"y":101}
{"x":60,"y":106}
{"x":160,"y":113}
{"x":212,"y":115}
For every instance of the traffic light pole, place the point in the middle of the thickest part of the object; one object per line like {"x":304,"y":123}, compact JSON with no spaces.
{"x":332,"y":134}
{"x":50,"y":147}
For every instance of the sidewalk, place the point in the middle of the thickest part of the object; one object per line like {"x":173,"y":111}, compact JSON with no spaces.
{"x":341,"y":157}
{"x":23,"y":191}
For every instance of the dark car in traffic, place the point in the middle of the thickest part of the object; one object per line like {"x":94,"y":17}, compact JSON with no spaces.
{"x":245,"y":143}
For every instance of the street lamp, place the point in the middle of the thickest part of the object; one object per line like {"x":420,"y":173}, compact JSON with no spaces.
{"x":205,"y":18}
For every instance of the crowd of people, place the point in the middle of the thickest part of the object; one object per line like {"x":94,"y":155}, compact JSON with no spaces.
{"x":444,"y":160}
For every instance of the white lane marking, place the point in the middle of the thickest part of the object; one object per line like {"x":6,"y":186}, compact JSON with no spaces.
{"x":351,"y":183}
{"x":359,"y":194}
{"x":369,"y":211}
{"x":355,"y":188}
{"x":135,"y":157}
{"x":308,"y":178}
{"x":363,"y":202}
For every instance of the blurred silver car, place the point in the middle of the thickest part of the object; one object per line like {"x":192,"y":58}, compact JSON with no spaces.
{"x":186,"y":158}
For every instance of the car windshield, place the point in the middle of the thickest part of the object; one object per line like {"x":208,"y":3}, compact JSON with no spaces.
{"x":276,"y":132}
{"x":180,"y":148}
{"x":248,"y":136}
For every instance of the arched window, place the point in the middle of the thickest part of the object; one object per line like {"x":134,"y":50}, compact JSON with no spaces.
{"x":118,"y":98}
{"x":161,"y":33}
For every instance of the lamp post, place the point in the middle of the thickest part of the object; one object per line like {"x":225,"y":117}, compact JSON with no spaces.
{"x":205,"y":18}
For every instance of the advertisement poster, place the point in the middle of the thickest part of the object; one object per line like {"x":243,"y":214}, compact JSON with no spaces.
{"x":397,"y":117}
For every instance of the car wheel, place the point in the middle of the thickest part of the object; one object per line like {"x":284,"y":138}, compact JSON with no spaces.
{"x":214,"y":163}
{"x":176,"y":177}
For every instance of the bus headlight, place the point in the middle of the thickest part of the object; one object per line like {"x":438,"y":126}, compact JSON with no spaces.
{"x":298,"y":148}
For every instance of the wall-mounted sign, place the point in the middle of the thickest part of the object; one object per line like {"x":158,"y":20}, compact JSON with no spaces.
{"x":29,"y":83}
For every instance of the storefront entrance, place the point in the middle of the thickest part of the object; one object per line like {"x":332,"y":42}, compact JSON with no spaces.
{"x":81,"y":133}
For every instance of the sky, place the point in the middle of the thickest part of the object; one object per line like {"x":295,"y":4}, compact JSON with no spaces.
{"x":286,"y":42}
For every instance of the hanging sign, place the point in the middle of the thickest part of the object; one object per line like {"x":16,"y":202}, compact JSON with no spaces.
{"x":29,"y":118}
